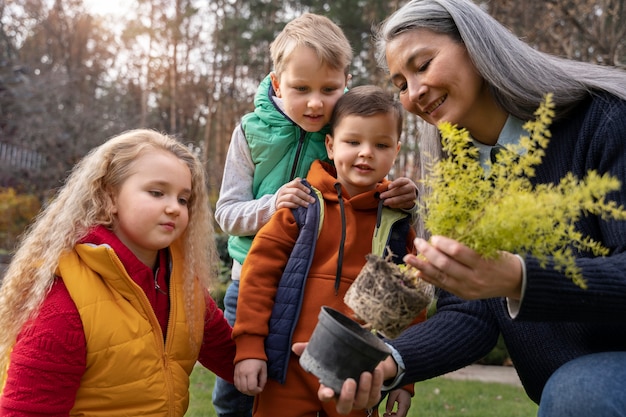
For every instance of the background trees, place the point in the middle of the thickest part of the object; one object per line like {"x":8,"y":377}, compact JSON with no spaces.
{"x":592,"y":31}
{"x":70,"y":78}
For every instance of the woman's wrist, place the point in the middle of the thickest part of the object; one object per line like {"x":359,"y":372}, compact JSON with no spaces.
{"x":391,"y":371}
{"x":390,"y":368}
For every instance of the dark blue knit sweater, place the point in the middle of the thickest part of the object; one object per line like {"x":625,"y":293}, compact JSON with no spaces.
{"x":558,"y":321}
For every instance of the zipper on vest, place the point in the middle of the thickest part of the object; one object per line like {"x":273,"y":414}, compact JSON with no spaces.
{"x":296,"y":160}
{"x":156,"y":282}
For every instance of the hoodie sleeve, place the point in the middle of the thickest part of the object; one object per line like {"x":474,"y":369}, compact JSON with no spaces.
{"x":260,"y":275}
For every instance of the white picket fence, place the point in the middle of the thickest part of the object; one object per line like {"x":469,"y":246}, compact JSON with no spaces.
{"x":20,"y":157}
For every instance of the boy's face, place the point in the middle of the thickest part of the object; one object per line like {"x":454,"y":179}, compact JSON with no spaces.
{"x":309,"y":89}
{"x":364,"y":150}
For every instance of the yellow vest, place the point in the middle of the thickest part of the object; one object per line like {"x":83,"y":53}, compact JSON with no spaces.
{"x":130,"y":370}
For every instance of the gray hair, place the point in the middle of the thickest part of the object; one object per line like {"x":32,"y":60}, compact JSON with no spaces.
{"x":518,"y":75}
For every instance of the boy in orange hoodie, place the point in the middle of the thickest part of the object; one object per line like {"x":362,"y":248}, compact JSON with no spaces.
{"x":292,"y":269}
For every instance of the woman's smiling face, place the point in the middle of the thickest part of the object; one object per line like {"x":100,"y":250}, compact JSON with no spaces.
{"x":437,"y":79}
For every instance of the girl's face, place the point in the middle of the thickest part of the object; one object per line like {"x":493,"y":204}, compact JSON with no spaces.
{"x":438,"y":82}
{"x":363,"y":150}
{"x":309,"y":89}
{"x":150,"y":208}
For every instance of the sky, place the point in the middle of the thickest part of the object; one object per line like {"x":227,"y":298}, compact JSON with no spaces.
{"x":107,"y":7}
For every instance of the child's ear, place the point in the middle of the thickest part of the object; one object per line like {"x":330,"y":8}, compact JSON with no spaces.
{"x":275,"y":83}
{"x":111,"y":201}
{"x":113,"y":206}
{"x":397,"y":152}
{"x":329,"y":145}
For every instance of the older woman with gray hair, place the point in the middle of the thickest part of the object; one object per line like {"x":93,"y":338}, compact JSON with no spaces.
{"x":451,"y":61}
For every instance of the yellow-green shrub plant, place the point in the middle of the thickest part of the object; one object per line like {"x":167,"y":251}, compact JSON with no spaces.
{"x":498,"y":208}
{"x":16,"y":213}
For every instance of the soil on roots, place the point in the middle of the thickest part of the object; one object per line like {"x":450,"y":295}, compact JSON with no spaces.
{"x":387,"y":297}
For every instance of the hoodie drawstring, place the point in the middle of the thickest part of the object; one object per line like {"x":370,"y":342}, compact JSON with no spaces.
{"x":343,"y":237}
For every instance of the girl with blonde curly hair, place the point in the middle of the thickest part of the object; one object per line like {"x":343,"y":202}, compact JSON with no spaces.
{"x":105,"y":307}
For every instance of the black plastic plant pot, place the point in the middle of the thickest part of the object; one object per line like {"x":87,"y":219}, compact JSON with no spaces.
{"x":340,"y":348}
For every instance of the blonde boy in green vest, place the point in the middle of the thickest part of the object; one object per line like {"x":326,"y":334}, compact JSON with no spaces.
{"x":274,"y":146}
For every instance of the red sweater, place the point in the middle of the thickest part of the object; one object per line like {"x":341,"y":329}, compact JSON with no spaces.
{"x":49,"y":356}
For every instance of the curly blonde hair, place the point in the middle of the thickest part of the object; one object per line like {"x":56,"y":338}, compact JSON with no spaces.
{"x":85,"y":201}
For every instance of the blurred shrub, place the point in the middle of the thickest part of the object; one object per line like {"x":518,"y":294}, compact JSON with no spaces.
{"x":16,"y":213}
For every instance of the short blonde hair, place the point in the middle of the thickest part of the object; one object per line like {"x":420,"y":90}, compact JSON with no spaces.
{"x":317,"y":32}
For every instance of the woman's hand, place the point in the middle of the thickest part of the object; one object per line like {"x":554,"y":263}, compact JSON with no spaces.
{"x":367,"y":395}
{"x":452,"y":266}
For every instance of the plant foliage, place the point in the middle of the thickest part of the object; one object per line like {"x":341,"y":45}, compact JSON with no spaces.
{"x":499,"y":209}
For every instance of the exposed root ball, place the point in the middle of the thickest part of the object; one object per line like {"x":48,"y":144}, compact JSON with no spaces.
{"x":387,"y":297}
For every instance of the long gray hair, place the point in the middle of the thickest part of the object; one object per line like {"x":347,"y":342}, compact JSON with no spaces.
{"x":518,"y":75}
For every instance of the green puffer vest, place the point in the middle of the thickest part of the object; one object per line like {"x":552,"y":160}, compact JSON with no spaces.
{"x":281,"y":151}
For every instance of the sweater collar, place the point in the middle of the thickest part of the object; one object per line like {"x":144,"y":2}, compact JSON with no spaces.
{"x":101,"y":236}
{"x":139,"y":272}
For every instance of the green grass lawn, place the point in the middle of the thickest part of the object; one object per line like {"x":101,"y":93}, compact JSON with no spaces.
{"x":433,"y":398}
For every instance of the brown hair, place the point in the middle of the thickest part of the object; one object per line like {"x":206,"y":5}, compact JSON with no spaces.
{"x":366,"y":100}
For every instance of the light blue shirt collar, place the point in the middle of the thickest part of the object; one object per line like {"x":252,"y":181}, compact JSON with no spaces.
{"x":511,"y":131}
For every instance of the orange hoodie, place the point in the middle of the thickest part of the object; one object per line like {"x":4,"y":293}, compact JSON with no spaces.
{"x":271,"y":248}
